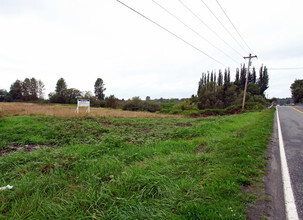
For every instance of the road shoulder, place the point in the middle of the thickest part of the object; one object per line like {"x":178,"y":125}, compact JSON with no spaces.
{"x":270,"y":204}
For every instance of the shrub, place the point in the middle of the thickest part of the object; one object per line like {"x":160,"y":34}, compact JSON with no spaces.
{"x":185,"y":106}
{"x":233,"y":109}
{"x":151,"y":106}
{"x":191,"y":113}
{"x":255,"y":106}
{"x":111,"y":102}
{"x":136,"y":104}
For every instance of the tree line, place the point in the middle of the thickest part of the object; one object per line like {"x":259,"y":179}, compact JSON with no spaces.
{"x":26,"y":90}
{"x":65,"y":95}
{"x":220,"y":92}
{"x":215,"y":91}
{"x":31,"y":89}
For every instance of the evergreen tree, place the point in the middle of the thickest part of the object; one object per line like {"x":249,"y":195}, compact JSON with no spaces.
{"x":212,"y":76}
{"x":225,"y":77}
{"x":60,"y":86}
{"x":254,"y":77}
{"x":237,"y":78}
{"x":243,"y":76}
{"x":33,"y":89}
{"x":99,"y":89}
{"x":228,"y":76}
{"x":264,"y":82}
{"x":201,"y":83}
{"x":26,"y":89}
{"x":260,"y":80}
{"x":220,"y":78}
{"x":249,"y":78}
{"x":205,"y":79}
{"x":16,"y":90}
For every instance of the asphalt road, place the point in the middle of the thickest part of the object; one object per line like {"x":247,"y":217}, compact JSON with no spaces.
{"x":291,"y":121}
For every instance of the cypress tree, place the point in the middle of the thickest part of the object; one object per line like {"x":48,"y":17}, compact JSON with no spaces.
{"x":225,"y":77}
{"x":237,"y":78}
{"x":243,"y":76}
{"x":228,"y":76}
{"x":220,"y":78}
{"x":254,"y":77}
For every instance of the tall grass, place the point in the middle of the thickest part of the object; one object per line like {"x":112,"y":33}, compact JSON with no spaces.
{"x":121,"y":168}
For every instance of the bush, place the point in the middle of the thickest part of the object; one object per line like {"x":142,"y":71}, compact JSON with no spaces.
{"x":136,"y":104}
{"x":233,"y":109}
{"x":168,"y":105}
{"x":254,"y":106}
{"x":185,"y":106}
{"x":151,"y":106}
{"x":111,"y":102}
{"x":191,"y":113}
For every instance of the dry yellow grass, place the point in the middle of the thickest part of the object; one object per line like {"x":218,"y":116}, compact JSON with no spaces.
{"x":18,"y":108}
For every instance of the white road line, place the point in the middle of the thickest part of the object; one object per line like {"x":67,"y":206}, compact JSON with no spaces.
{"x":290,"y":205}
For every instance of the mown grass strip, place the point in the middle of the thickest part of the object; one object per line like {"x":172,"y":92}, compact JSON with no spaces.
{"x":133,"y":168}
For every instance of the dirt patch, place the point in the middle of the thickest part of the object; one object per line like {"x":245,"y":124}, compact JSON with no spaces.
{"x":141,"y":164}
{"x":201,"y":149}
{"x":13,"y":148}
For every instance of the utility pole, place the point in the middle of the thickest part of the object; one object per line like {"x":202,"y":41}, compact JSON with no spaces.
{"x":249,"y":63}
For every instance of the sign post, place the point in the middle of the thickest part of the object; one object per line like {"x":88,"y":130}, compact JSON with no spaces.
{"x":83,"y":103}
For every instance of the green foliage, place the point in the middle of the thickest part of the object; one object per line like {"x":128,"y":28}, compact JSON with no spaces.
{"x":253,"y":89}
{"x":28,"y":90}
{"x":16,"y":90}
{"x":263,"y":80}
{"x":111,"y":102}
{"x":60,"y":86}
{"x":186,"y":105}
{"x":99,"y":89}
{"x":220,"y":95}
{"x":3,"y":95}
{"x":297,"y":90}
{"x":136,"y":104}
{"x":115,"y":168}
{"x":67,"y":96}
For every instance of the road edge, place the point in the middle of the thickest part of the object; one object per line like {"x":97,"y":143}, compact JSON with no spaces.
{"x":290,"y":205}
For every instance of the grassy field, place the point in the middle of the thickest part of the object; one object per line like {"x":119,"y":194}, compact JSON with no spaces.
{"x":131,"y":168}
{"x":19,"y":109}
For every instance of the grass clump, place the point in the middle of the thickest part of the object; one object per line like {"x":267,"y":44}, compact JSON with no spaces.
{"x":132,"y":168}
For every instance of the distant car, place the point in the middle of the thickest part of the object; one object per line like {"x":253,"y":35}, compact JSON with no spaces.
{"x":278,"y":105}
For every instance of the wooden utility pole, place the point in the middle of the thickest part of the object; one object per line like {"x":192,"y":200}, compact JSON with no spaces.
{"x":247,"y":74}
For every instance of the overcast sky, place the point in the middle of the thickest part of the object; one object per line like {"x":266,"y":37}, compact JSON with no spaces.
{"x":81,"y":40}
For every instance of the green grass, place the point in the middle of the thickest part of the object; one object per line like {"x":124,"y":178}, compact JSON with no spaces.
{"x":132,"y":168}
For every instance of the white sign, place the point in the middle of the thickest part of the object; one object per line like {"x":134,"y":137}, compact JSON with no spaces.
{"x":83,"y":103}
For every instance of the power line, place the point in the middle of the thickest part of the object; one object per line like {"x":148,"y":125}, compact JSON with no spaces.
{"x":170,"y":32}
{"x":234,"y":26}
{"x":222,"y":24}
{"x":208,"y":27}
{"x":194,"y":31}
